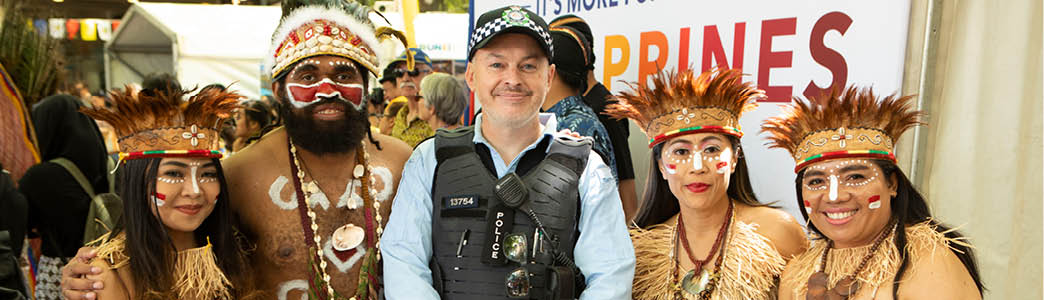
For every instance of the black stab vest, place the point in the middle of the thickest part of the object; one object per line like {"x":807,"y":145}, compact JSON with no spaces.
{"x":552,"y":180}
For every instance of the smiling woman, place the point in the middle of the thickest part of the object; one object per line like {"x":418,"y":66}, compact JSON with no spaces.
{"x":177,"y":225}
{"x":702,"y":234}
{"x":875,"y":234}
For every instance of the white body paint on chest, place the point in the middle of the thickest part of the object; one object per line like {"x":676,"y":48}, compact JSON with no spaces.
{"x":343,"y":265}
{"x":292,"y":285}
{"x":347,"y":199}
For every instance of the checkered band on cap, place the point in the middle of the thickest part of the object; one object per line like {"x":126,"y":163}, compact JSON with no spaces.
{"x":514,"y":16}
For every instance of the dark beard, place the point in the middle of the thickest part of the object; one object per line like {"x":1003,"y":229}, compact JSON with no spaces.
{"x":323,"y":137}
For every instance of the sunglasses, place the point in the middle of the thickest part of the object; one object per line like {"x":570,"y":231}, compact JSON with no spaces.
{"x":414,"y":73}
{"x":516,"y":249}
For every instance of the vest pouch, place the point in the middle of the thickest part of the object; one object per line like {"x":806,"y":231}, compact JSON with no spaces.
{"x":560,"y":283}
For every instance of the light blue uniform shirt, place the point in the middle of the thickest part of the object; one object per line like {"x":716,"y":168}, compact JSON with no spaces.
{"x":603,"y":250}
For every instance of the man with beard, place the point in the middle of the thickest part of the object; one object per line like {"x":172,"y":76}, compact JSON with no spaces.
{"x":408,"y":125}
{"x":312,"y":197}
{"x":467,"y":226}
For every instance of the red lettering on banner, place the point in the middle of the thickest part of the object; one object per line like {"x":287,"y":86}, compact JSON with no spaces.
{"x":712,"y":46}
{"x":683,"y":49}
{"x":646,"y":66}
{"x":827,"y":57}
{"x":769,"y":59}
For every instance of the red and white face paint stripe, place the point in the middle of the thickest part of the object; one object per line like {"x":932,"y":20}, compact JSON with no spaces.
{"x":160,"y":199}
{"x":875,"y":202}
{"x":304,"y":95}
{"x":724,"y":158}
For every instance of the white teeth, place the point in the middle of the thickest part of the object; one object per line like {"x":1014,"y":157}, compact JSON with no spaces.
{"x":840,"y":215}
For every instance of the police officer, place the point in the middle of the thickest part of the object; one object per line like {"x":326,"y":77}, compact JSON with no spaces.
{"x":507,"y":208}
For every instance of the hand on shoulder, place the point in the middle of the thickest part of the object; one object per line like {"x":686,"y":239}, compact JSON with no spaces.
{"x":114,"y":287}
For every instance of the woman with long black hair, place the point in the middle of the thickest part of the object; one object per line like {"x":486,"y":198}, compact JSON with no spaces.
{"x":176,"y":238}
{"x":876,"y":236}
{"x":701,"y":233}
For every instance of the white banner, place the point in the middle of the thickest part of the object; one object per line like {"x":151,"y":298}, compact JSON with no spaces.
{"x":789,"y":48}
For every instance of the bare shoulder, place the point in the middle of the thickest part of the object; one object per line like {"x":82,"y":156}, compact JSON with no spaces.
{"x":116,"y":285}
{"x":779,"y":227}
{"x":943,"y":272}
{"x":264,"y":150}
{"x":393,"y":151}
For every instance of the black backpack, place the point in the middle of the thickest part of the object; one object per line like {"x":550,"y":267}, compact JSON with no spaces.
{"x":105,"y":208}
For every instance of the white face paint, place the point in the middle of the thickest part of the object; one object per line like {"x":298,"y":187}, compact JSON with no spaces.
{"x":302,"y":95}
{"x":697,"y":161}
{"x":159,"y":199}
{"x":725,"y":161}
{"x":833,"y":188}
{"x":875,"y":205}
{"x":195,"y":182}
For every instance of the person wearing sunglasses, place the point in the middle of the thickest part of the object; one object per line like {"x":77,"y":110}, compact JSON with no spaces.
{"x":509,"y":207}
{"x":408,"y":125}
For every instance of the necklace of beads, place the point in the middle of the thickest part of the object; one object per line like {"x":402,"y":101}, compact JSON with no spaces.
{"x":707,"y":289}
{"x":862,"y":263}
{"x":312,"y":228}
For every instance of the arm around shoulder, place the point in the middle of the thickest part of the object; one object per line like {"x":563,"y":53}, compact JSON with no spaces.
{"x":113,"y":286}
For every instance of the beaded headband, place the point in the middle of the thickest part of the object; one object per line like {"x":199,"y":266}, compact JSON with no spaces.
{"x":852,"y":123}
{"x":165,"y":125}
{"x":338,"y":29}
{"x":687,"y":103}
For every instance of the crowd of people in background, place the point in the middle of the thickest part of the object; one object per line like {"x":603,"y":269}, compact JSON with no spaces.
{"x":613,"y":246}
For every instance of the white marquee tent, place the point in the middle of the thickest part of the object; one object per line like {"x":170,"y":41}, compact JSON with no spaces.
{"x":199,"y":44}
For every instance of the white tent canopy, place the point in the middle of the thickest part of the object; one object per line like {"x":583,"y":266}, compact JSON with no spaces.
{"x":199,"y":44}
{"x":443,"y":36}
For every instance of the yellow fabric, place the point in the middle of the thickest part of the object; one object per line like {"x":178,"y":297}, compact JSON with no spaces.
{"x":410,"y":9}
{"x":412,"y":133}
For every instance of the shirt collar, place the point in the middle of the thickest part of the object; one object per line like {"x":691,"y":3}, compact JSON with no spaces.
{"x":548,"y":126}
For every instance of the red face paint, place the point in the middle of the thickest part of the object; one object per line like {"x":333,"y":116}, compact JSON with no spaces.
{"x":672,"y":168}
{"x":303,"y":95}
{"x":875,"y":201}
{"x":722,"y":164}
{"x":161,"y":196}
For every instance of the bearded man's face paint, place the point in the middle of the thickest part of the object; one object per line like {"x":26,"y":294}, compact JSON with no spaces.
{"x":303,"y":95}
{"x":322,"y":77}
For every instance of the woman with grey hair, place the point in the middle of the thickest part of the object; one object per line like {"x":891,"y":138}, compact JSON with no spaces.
{"x":444,"y":99}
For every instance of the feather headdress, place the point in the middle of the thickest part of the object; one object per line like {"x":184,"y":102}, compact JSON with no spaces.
{"x":848,"y":123}
{"x":165,"y":125}
{"x":326,"y":27}
{"x":688,"y":102}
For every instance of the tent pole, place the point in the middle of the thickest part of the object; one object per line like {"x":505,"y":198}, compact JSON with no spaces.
{"x":129,"y":66}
